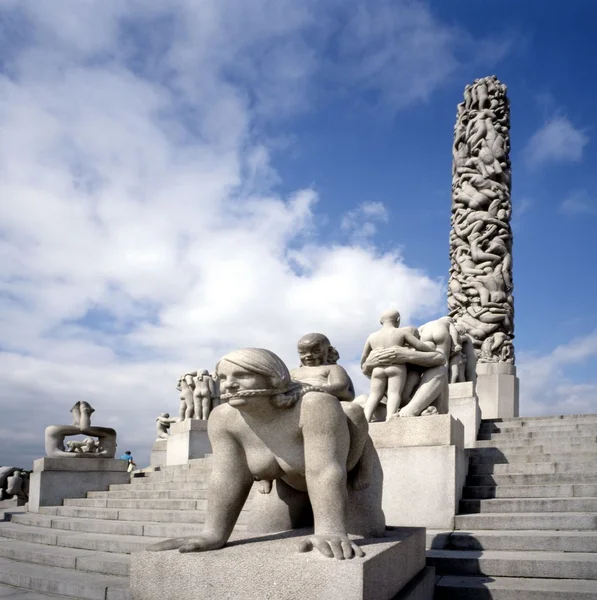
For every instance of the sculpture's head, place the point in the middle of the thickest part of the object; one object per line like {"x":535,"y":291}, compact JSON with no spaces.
{"x":165,"y":415}
{"x":256,"y":373}
{"x":390,"y":316}
{"x":333,"y":356}
{"x":204,"y":372}
{"x":313,"y":349}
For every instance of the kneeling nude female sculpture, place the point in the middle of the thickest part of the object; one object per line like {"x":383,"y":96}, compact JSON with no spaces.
{"x":321,"y":457}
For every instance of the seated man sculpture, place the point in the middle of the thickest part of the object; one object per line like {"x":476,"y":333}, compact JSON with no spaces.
{"x":81,"y":411}
{"x":274,"y":428}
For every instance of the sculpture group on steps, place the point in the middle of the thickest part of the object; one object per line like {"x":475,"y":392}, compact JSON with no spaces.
{"x":480,"y":295}
{"x":102,"y":447}
{"x":315,"y":447}
{"x":411,"y":367}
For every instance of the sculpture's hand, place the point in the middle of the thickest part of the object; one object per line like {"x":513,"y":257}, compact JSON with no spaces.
{"x":199,"y":543}
{"x":332,"y":545}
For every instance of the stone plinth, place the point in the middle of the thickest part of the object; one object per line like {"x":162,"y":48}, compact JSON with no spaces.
{"x":54,"y":479}
{"x":497,"y":389}
{"x":158,"y":453}
{"x":464,"y":406}
{"x":188,"y":439}
{"x":424,"y":466}
{"x":270,"y":567}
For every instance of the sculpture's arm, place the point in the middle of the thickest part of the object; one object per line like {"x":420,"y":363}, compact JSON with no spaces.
{"x":230,"y":481}
{"x":366,"y":351}
{"x":339,"y":383}
{"x":415,"y":343}
{"x":327,"y":441}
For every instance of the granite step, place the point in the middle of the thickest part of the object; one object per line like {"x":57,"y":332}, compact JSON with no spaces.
{"x":531,"y":479}
{"x":162,"y":486}
{"x":109,"y":527}
{"x":542,"y":419}
{"x":539,"y":468}
{"x":120,"y":544}
{"x":454,"y":587}
{"x":590,"y":427}
{"x":559,"y":443}
{"x":536,"y":450}
{"x":155,"y":515}
{"x":522,"y":457}
{"x":500,"y":563}
{"x":522,"y":505}
{"x":549,"y":541}
{"x":64,"y":582}
{"x":136,"y":494}
{"x":138,"y":503}
{"x":530,"y":491}
{"x":542,"y":436}
{"x":507,"y":521}
{"x":66,"y":557}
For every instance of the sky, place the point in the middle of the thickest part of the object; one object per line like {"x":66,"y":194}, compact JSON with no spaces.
{"x":181,"y":179}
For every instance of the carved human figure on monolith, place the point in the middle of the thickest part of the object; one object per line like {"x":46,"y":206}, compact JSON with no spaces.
{"x":105,"y":447}
{"x":274,"y":428}
{"x":185,"y":386}
{"x":384,"y":359}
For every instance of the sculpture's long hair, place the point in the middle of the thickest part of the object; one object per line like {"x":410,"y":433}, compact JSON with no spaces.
{"x":283,"y":393}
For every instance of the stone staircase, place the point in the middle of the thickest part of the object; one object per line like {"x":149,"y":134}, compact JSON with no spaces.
{"x":82,"y":549}
{"x":527,"y":527}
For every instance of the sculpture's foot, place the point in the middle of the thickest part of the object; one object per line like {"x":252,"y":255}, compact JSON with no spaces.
{"x":430,"y":410}
{"x":264,"y":486}
{"x":407,"y":411}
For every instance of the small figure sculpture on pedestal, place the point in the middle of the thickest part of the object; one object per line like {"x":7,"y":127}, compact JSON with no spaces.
{"x":104,"y":447}
{"x":199,"y":394}
{"x":274,"y":428}
{"x":163,"y":423}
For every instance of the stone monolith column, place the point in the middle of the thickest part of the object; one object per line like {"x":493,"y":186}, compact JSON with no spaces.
{"x":480,"y":295}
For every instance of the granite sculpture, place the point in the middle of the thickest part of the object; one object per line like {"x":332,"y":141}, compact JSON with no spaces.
{"x":316,"y":355}
{"x":386,"y":358}
{"x":321,"y":458}
{"x":480,"y":295}
{"x":198,"y":394}
{"x":14,"y":483}
{"x":104,"y":447}
{"x":162,"y":425}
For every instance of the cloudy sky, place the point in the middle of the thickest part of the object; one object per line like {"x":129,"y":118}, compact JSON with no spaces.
{"x":179,"y":179}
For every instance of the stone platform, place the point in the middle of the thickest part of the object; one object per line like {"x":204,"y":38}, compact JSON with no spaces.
{"x":54,"y":479}
{"x":188,"y":439}
{"x":497,"y":389}
{"x":424,"y":466}
{"x":270,"y":567}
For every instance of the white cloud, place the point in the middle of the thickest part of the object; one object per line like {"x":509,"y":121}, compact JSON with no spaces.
{"x":545,"y":387}
{"x":141,"y":233}
{"x":361,"y":223}
{"x":579,"y":202}
{"x":557,"y":140}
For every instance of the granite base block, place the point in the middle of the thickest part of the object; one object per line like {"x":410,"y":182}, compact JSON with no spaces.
{"x":464,"y":406}
{"x":434,"y":430}
{"x":271,"y":568}
{"x":188,"y":439}
{"x":498,"y":390}
{"x":54,"y":479}
{"x":158,"y":453}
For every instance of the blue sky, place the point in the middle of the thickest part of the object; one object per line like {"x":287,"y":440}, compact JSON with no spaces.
{"x":179,"y":180}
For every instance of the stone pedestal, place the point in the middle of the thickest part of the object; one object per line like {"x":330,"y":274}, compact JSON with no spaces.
{"x":424,"y":468}
{"x":54,"y":479}
{"x":497,"y":389}
{"x":187,"y":439}
{"x":464,"y":406}
{"x":158,"y":453}
{"x":270,"y":567}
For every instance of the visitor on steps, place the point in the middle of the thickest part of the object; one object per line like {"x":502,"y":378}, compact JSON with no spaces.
{"x":129,"y":457}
